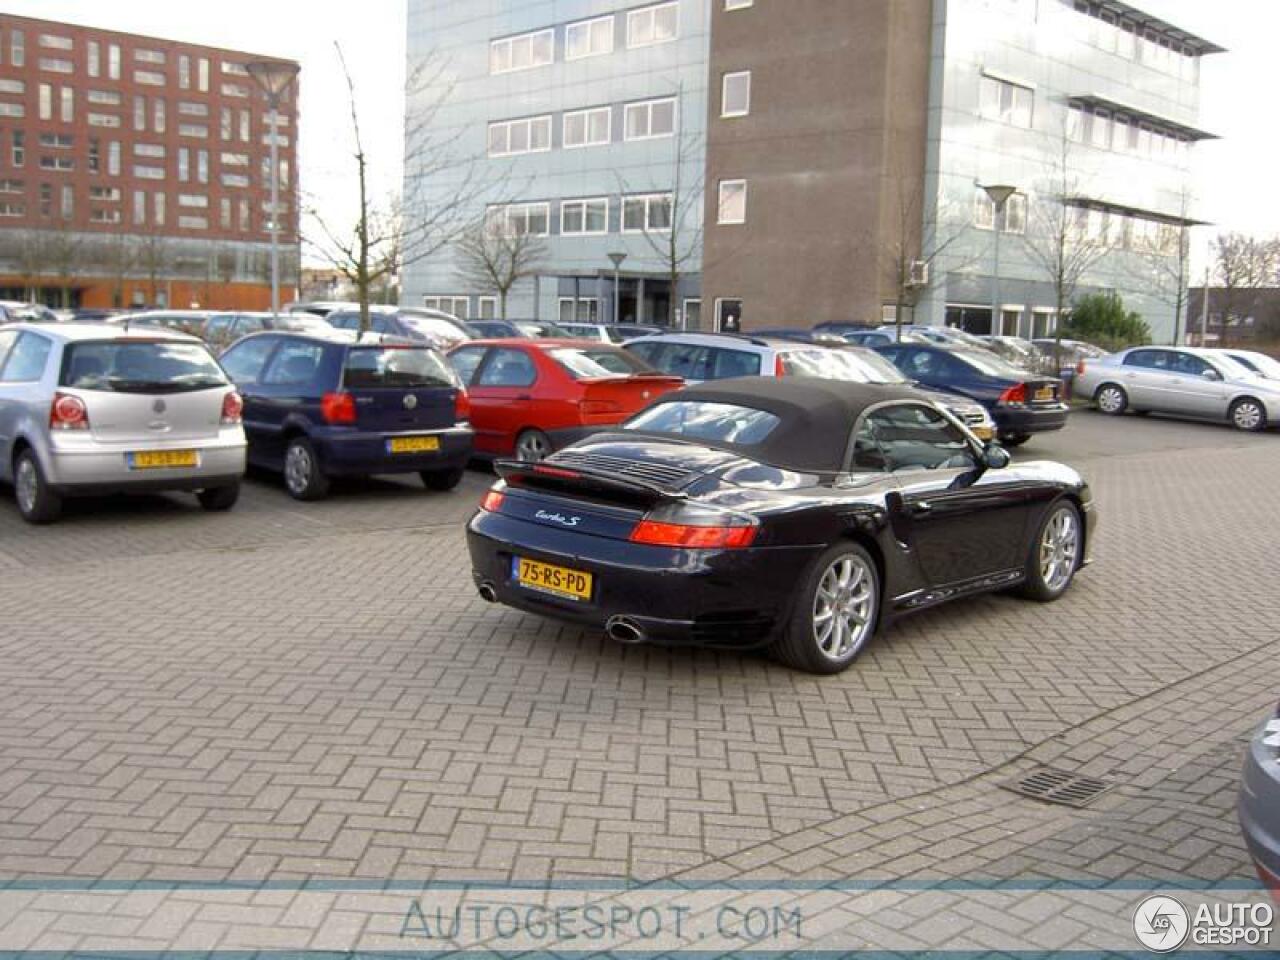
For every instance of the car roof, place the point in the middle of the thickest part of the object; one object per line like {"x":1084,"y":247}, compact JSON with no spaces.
{"x":730,"y":341}
{"x":808,"y":407}
{"x":539,"y":343}
{"x":73,"y":332}
{"x":334,"y":335}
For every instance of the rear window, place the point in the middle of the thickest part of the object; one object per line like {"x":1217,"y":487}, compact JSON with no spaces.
{"x":584,"y":363}
{"x":140,"y":367}
{"x":433,"y":327}
{"x":396,"y":367}
{"x":841,"y":365}
{"x":713,"y":422}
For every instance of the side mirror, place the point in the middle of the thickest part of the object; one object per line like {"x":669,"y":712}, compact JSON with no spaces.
{"x":1211,"y":374}
{"x":995,"y":457}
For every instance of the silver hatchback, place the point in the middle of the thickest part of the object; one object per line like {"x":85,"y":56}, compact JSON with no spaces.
{"x":91,"y":408}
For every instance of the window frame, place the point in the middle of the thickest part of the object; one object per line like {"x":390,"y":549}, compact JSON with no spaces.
{"x":725,"y":112}
{"x":944,"y":415}
{"x":648,"y":106}
{"x":12,"y":351}
{"x":491,"y":358}
{"x":584,"y":202}
{"x":652,"y":12}
{"x":720,"y":202}
{"x":589,"y":24}
{"x":510,"y":41}
{"x":507,"y":125}
{"x":586,"y":113}
{"x":648,"y":199}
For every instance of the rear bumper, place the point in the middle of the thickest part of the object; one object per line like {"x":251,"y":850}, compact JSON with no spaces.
{"x":734,"y":599}
{"x":1018,"y":420}
{"x":356,"y":453}
{"x":1259,"y":811}
{"x":80,"y":466}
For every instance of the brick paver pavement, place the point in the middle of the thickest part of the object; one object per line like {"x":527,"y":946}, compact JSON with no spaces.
{"x":294,"y":692}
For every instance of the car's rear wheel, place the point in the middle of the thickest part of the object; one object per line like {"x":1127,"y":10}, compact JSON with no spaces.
{"x":1249,"y":415}
{"x":217,"y":499}
{"x":1055,"y":553}
{"x":441,"y":479}
{"x":1014,"y":439}
{"x":303,"y":477}
{"x":532,"y":446}
{"x":836,"y":614}
{"x":1111,"y":399}
{"x":36,"y":501}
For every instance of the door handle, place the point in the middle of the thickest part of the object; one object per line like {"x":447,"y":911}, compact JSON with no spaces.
{"x":920,"y":508}
{"x":524,"y":396}
{"x":1130,"y":376}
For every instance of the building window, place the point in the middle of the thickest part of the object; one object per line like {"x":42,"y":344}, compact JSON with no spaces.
{"x":193,"y":223}
{"x":233,"y":179}
{"x":153,"y":150}
{"x":488,"y":307}
{"x":1006,"y":102}
{"x":202,"y":74}
{"x":148,"y":78}
{"x":227,"y":124}
{"x":103,"y":120}
{"x":67,"y":104}
{"x":68,"y":201}
{"x":58,"y":141}
{"x":238,"y":90}
{"x":224,"y":213}
{"x":453,"y":305}
{"x":113,"y":158}
{"x":104,"y":97}
{"x":193,"y":130}
{"x":653,"y":118}
{"x":184,"y":164}
{"x":94,"y":58}
{"x":579,"y":310}
{"x":530,"y":135}
{"x":588,"y":38}
{"x":242,"y":209}
{"x":1013,"y":218}
{"x":588,"y":128}
{"x":113,"y":61}
{"x":15,"y":110}
{"x":139,"y":208}
{"x":733,"y":202}
{"x":583,"y":217}
{"x":189,"y":109}
{"x":150,"y":56}
{"x":244,"y":126}
{"x":737,"y":4}
{"x":142,"y":172}
{"x":159,"y":114}
{"x":157,"y":203}
{"x":109,"y":194}
{"x":735,"y":94}
{"x":523,"y":52}
{"x":12,"y":86}
{"x":234,"y":159}
{"x":17,"y":48}
{"x":202,"y":166}
{"x":104,"y":216}
{"x":46,"y":101}
{"x":55,"y":65}
{"x":651,"y":212}
{"x":192,"y":200}
{"x":657,"y":24}
{"x":521,"y":218}
{"x":184,"y":72}
{"x":19,"y":154}
{"x":726,"y":308}
{"x":139,"y":113}
{"x":53,"y":41}
{"x":57,"y":163}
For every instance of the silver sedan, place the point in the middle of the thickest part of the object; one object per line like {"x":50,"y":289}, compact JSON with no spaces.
{"x":1187,"y":381}
{"x":91,"y":408}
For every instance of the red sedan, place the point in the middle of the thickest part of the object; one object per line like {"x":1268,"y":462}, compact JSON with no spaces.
{"x":531,"y":397}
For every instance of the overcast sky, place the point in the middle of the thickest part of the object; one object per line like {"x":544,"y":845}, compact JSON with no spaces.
{"x":1234,"y":177}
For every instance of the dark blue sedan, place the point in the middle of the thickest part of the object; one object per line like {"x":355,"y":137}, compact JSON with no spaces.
{"x":323,"y":405}
{"x":1020,"y":403}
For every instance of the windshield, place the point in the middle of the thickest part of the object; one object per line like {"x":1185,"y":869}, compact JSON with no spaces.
{"x":859,"y":367}
{"x":713,"y":422}
{"x":433,"y":327}
{"x":584,"y":363}
{"x":140,"y":367}
{"x":990,"y":364}
{"x":396,"y":367}
{"x":531,"y":329}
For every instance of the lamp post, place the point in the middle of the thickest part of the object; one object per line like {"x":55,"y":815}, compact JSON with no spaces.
{"x":998,"y":194}
{"x":616,"y":259}
{"x":273,"y":78}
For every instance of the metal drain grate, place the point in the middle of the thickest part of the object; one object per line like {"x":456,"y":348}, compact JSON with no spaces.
{"x":1058,"y":786}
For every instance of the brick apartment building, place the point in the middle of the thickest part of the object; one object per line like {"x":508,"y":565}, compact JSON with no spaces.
{"x":135,"y":170}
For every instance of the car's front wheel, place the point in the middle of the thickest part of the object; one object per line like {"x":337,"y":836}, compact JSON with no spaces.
{"x":217,"y":499}
{"x":36,"y":501}
{"x":303,"y":477}
{"x":1111,"y":399}
{"x":532,"y":446}
{"x":836,"y":614}
{"x":1054,"y":556}
{"x":1248,"y":414}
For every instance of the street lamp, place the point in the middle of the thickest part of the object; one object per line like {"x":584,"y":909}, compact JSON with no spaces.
{"x":616,"y":259}
{"x":273,"y":78}
{"x":998,"y":194}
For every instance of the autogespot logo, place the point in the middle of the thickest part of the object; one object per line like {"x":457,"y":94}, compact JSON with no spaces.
{"x":1161,"y":924}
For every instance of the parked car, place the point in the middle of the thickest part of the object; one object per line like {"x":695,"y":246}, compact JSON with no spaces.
{"x":223,"y":329}
{"x":90,"y":409}
{"x":190,"y":322}
{"x":719,"y":356}
{"x":599,"y":332}
{"x":496,"y":329}
{"x":531,"y":397}
{"x":1187,"y":381}
{"x":798,"y":515}
{"x":1020,"y":402}
{"x":840,"y":328}
{"x":540,"y":328}
{"x":1070,"y":354}
{"x":322,"y":405}
{"x":1257,"y":363}
{"x":631,"y":330}
{"x":1259,"y":804}
{"x":439,"y":330}
{"x":1017,"y":351}
{"x":93,"y":314}
{"x":17,"y":311}
{"x":800,"y":335}
{"x":320,"y":308}
{"x":881,"y":338}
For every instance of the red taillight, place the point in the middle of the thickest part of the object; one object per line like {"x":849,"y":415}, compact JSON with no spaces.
{"x":1017,"y":394}
{"x":338,"y":408}
{"x":492,"y":501}
{"x":68,"y":413}
{"x":461,"y":406}
{"x":1079,"y":368}
{"x":779,"y":368}
{"x":556,"y":472}
{"x":232,"y":408}
{"x":693,"y":537}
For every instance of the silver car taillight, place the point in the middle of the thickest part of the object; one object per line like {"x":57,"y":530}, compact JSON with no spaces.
{"x":232,"y":408}
{"x":68,"y":412}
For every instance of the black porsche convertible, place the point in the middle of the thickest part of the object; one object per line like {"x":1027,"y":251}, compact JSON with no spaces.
{"x":790,"y":513}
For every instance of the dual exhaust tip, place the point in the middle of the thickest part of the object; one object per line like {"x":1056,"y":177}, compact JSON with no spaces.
{"x":619,"y":628}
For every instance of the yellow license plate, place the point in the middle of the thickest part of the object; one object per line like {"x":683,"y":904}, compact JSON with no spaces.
{"x":413,"y":444}
{"x":983,"y":433}
{"x":560,"y":581}
{"x":1045,"y":393}
{"x":160,"y":459}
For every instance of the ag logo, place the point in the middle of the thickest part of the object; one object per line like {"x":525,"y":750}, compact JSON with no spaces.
{"x":1161,"y":924}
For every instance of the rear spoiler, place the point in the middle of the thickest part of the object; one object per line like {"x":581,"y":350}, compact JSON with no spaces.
{"x":549,"y":476}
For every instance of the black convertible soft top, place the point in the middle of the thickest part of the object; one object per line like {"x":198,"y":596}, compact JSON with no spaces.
{"x":816,"y":415}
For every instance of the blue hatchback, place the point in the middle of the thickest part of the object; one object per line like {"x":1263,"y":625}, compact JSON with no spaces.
{"x":323,"y":405}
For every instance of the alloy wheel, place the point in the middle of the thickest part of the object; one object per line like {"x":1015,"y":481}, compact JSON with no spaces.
{"x":1247,"y":415}
{"x":1110,"y":400}
{"x":1059,"y":548}
{"x":27,"y":485}
{"x":844,"y":607}
{"x":532,"y":446}
{"x":297,"y":468}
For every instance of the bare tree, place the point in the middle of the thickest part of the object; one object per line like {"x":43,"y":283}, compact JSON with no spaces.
{"x":391,"y":235}
{"x":29,"y":252}
{"x":493,"y":257}
{"x":1242,"y":264}
{"x":1170,"y":263}
{"x":1058,"y":242}
{"x":154,"y":259}
{"x":63,"y":249}
{"x":118,"y":252}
